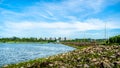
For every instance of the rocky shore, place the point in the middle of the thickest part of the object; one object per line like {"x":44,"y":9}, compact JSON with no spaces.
{"x":90,"y":57}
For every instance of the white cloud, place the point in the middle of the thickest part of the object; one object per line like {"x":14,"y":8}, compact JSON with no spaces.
{"x":56,"y":28}
{"x":90,"y":24}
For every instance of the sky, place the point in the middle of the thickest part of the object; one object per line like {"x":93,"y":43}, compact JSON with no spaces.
{"x":60,"y":18}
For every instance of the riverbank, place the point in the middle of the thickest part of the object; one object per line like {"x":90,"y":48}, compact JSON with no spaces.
{"x":90,"y":57}
{"x":83,"y":56}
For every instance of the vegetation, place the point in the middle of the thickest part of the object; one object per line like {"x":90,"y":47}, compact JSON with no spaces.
{"x":32,"y":39}
{"x":114,"y":40}
{"x":84,"y":40}
{"x":47,"y":40}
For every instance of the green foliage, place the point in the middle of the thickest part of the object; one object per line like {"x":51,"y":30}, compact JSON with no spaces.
{"x":31,"y":39}
{"x":114,"y":40}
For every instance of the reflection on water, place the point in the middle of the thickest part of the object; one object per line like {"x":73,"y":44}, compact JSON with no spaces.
{"x":13,"y":53}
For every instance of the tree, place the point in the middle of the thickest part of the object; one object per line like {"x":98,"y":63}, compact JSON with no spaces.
{"x":115,"y":39}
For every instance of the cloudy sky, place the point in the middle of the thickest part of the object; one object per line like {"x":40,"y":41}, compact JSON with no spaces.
{"x":59,"y":18}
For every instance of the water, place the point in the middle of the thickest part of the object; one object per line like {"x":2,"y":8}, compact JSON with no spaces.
{"x":14,"y":53}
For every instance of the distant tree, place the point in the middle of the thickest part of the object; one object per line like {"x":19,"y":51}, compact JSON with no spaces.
{"x":50,"y":38}
{"x":45,"y":39}
{"x":55,"y":39}
{"x":65,"y":38}
{"x":59,"y":38}
{"x":115,"y":39}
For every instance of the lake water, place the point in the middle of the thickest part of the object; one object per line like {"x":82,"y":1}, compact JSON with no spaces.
{"x":14,"y":53}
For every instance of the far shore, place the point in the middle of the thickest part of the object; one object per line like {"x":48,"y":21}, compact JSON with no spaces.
{"x":29,"y":42}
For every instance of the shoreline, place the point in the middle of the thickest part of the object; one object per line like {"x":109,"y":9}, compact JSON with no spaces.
{"x":83,"y":56}
{"x":25,"y":42}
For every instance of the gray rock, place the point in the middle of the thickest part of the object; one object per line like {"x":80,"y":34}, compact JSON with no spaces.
{"x":5,"y":66}
{"x":86,"y":66}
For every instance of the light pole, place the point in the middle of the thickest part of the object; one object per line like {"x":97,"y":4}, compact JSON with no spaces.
{"x":106,"y":32}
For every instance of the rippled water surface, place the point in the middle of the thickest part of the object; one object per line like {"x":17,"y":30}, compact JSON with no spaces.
{"x":14,"y":53}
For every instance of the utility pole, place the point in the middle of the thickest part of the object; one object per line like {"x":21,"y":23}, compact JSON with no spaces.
{"x":84,"y":37}
{"x":105,"y":31}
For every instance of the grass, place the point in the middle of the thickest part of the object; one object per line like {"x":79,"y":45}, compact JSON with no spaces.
{"x":82,"y":57}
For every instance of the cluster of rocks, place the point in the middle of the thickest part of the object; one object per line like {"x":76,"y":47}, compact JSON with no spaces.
{"x":93,"y":56}
{"x":90,"y":57}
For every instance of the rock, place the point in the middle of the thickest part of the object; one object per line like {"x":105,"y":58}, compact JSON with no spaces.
{"x":116,"y":63}
{"x":78,"y":60}
{"x":113,"y":56}
{"x":106,"y":60}
{"x":5,"y":66}
{"x":96,"y":63}
{"x":21,"y":67}
{"x":63,"y":54}
{"x":62,"y":67}
{"x":46,"y":58}
{"x":117,"y":54}
{"x":67,"y":65}
{"x":86,"y":66}
{"x":28,"y":65}
{"x":94,"y":60}
{"x":56,"y":62}
{"x":51,"y":65}
{"x":105,"y":65}
{"x":79,"y":66}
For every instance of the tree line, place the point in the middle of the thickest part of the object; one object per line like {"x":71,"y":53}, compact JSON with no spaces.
{"x":111,"y":40}
{"x":31,"y":39}
{"x":114,"y":40}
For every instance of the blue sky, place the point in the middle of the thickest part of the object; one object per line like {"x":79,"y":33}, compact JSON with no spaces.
{"x":59,"y":18}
